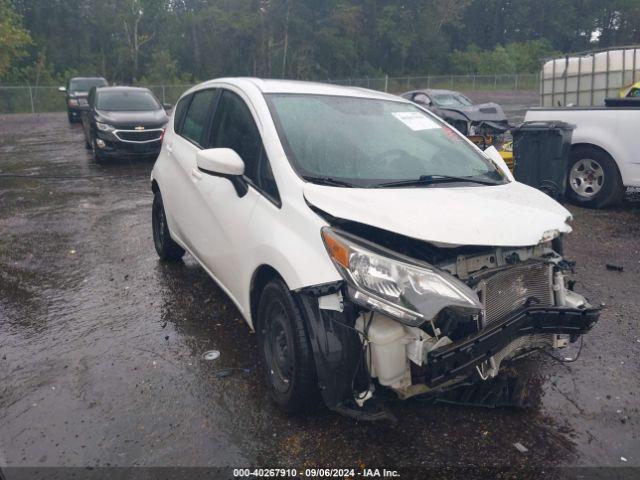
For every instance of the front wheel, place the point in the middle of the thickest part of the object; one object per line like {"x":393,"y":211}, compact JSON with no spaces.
{"x":285,"y":350}
{"x":166,"y":247}
{"x":594,"y":180}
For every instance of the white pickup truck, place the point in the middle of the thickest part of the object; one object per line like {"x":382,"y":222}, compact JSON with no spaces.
{"x":605,"y":151}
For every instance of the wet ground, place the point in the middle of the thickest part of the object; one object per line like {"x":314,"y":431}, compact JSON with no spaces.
{"x":101,"y":345}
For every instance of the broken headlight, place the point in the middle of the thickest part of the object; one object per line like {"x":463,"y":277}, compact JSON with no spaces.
{"x":399,"y":287}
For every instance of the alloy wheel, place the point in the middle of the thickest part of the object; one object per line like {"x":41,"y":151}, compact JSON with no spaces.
{"x":586,"y":177}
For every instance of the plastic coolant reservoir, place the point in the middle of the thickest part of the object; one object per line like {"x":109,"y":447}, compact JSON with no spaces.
{"x":388,"y":353}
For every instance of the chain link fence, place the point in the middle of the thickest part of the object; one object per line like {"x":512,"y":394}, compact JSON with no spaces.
{"x":397,"y":85}
{"x":31,"y":99}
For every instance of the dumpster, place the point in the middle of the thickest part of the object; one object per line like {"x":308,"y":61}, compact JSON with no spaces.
{"x":541,"y":154}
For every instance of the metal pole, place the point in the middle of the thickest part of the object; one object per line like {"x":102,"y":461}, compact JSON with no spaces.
{"x":386,"y":82}
{"x":164,"y":100}
{"x":33,"y":108}
{"x":474,"y":81}
{"x":542,"y":80}
{"x":624,"y":66}
{"x":579,"y":81}
{"x":593,"y":76}
{"x":566,"y":79}
{"x":606,"y":85}
{"x":516,"y":82}
{"x":553,"y":84}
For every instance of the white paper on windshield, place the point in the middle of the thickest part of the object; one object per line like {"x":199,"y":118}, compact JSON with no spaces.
{"x":416,"y":121}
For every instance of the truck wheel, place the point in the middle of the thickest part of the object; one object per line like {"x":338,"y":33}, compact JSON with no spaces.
{"x":166,"y":247}
{"x":285,"y":350}
{"x":594,"y":179}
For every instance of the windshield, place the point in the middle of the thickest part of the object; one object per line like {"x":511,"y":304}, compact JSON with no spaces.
{"x":84,"y":85}
{"x":368,"y":142}
{"x":451,"y":100}
{"x":127,"y":101}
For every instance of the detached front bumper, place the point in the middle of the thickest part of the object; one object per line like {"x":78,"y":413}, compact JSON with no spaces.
{"x":338,"y":348}
{"x":459,"y":358}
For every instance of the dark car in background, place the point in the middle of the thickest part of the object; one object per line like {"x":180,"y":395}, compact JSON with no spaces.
{"x":123,"y":122}
{"x":487,"y":119}
{"x":76,"y":93}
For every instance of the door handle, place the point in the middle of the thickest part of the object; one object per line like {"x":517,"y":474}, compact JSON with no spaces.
{"x":169,"y":149}
{"x":195,"y":173}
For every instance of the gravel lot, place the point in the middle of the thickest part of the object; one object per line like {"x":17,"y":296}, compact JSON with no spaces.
{"x":101,"y":346}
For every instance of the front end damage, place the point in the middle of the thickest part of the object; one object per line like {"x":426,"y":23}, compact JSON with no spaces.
{"x":430,"y":318}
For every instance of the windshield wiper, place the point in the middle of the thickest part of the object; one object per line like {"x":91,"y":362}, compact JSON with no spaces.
{"x":334,"y":182}
{"x":431,"y":179}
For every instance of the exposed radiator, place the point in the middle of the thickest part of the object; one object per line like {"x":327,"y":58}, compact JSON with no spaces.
{"x":510,"y":289}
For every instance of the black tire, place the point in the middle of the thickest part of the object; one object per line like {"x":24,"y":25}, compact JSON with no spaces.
{"x":603,"y":185}
{"x":285,"y":350}
{"x":168,"y":250}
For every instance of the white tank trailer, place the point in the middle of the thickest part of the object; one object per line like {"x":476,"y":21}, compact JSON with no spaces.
{"x":586,"y":79}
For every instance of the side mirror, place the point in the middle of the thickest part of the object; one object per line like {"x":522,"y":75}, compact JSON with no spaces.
{"x":62,"y":89}
{"x":167,"y":106}
{"x":422,"y":99}
{"x":497,"y":159}
{"x":226,"y":163}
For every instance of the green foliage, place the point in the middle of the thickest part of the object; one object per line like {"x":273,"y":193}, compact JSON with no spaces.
{"x":163,"y":69}
{"x":14,"y":39}
{"x":166,"y":41}
{"x":522,"y":57}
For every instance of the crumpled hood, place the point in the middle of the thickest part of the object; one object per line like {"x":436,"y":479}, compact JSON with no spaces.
{"x":491,"y":112}
{"x":510,"y":215}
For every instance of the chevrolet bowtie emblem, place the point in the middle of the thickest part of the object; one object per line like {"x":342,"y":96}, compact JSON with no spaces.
{"x":140,"y":128}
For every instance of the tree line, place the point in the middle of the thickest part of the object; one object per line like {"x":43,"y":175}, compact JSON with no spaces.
{"x":173,"y":41}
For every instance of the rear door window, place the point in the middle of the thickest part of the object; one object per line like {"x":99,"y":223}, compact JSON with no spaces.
{"x":196,"y":118}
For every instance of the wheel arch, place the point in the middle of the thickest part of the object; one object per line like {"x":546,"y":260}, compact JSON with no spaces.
{"x":600,"y":148}
{"x":576,"y":146}
{"x":261,"y":276}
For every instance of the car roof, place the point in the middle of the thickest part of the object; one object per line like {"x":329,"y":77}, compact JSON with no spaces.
{"x":300,"y":87}
{"x":431,"y":91}
{"x":88,"y":78}
{"x":121,"y":89}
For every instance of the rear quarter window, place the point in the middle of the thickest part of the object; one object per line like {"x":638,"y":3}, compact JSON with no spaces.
{"x":181,"y":109}
{"x":195,"y":120}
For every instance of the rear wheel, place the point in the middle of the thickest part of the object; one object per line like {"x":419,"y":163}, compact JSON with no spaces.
{"x":594,"y":180}
{"x":166,"y":247}
{"x":285,"y":350}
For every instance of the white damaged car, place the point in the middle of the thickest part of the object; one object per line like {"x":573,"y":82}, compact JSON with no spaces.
{"x":368,"y":243}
